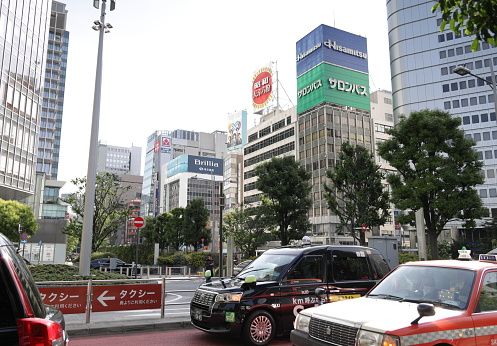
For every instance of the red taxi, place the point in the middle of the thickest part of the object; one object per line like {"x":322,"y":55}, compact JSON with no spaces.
{"x":446,"y":302}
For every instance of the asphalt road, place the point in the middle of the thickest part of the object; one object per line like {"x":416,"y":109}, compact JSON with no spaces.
{"x":173,"y":337}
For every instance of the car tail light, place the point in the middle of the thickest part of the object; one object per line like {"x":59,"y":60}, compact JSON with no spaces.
{"x":39,"y":332}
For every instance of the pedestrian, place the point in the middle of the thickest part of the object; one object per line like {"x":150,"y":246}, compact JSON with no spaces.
{"x":209,"y":265}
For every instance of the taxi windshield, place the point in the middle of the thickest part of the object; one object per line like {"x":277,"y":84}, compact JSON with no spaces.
{"x":445,"y":287}
{"x":266,"y":267}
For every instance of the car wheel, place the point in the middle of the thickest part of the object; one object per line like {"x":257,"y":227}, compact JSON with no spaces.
{"x":259,"y":328}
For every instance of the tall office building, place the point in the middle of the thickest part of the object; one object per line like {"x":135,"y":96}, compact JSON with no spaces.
{"x":162,"y":147}
{"x":24,"y":26}
{"x":422,"y":61}
{"x":119,"y":160}
{"x":53,"y":93}
{"x":333,"y":107}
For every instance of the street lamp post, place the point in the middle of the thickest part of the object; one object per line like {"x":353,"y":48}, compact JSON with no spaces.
{"x":86,"y":232}
{"x":463,"y":71}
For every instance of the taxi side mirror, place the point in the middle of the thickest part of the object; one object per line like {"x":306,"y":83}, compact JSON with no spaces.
{"x":424,"y":309}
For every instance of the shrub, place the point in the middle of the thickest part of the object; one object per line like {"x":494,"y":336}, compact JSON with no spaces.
{"x":197,"y":259}
{"x":407,"y":257}
{"x":63,"y":272}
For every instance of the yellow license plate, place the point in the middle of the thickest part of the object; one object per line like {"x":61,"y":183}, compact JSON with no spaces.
{"x":343,"y":297}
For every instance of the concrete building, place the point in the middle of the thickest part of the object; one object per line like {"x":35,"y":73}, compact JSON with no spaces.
{"x":382,"y":116}
{"x":119,"y":160}
{"x":422,"y":61}
{"x":22,"y":72}
{"x":274,"y":136}
{"x":164,"y":146}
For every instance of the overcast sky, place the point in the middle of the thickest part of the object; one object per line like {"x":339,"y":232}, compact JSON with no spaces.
{"x":187,"y":64}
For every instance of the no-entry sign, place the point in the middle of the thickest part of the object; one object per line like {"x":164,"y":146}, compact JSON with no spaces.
{"x":139,"y":221}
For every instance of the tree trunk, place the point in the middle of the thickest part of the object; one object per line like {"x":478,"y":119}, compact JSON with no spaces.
{"x":433,"y":245}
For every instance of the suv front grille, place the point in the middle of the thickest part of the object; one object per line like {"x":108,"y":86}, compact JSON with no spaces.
{"x":203,"y":298}
{"x":332,"y":332}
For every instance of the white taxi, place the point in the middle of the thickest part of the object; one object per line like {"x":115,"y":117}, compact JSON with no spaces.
{"x":446,"y":302}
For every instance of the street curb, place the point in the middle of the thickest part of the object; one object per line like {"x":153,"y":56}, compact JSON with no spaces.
{"x":123,"y":327}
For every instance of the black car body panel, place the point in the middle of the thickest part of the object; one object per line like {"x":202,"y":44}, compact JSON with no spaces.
{"x":344,"y":271}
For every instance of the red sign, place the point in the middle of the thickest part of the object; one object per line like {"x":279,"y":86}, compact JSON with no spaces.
{"x":262,"y":88}
{"x":139,"y":221}
{"x":69,"y":300}
{"x":126,"y":297}
{"x":364,"y":227}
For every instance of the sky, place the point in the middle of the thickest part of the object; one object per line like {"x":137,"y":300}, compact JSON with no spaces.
{"x":187,"y":64}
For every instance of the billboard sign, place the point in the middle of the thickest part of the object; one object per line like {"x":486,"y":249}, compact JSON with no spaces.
{"x":333,"y":46}
{"x":237,"y":129}
{"x":333,"y":84}
{"x":205,"y":165}
{"x":165,"y":144}
{"x":262,"y":88}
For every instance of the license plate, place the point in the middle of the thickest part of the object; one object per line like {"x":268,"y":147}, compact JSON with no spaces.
{"x":196,"y":314}
{"x":344,"y":297}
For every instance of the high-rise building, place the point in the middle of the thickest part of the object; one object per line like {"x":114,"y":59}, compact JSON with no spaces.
{"x":162,"y":147}
{"x":23,"y":42}
{"x":333,"y":107}
{"x":422,"y":61}
{"x":53,"y":93}
{"x":118,"y":160}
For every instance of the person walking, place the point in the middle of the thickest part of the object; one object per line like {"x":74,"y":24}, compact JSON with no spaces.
{"x":209,"y":265}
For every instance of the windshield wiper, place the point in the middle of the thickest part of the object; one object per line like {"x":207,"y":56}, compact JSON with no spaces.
{"x":386,"y":296}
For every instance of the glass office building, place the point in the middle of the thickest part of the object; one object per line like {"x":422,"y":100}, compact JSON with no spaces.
{"x":23,"y":43}
{"x":422,"y":60}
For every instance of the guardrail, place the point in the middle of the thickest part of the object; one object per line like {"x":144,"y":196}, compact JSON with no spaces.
{"x":161,"y":271}
{"x":61,"y":291}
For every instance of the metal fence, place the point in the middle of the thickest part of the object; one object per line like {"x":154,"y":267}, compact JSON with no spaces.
{"x":90,"y":284}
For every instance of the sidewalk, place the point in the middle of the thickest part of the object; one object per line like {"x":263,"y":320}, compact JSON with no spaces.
{"x":75,"y":329}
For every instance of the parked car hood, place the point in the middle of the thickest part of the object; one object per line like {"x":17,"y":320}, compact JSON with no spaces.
{"x":378,"y":315}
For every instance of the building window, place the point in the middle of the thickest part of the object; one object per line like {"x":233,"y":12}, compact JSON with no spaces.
{"x":492,"y":192}
{"x":483,"y":193}
{"x":443,"y":54}
{"x":445,"y":88}
{"x":475,"y":119}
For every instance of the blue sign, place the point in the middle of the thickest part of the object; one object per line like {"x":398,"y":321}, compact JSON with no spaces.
{"x":40,"y":243}
{"x":333,"y":46}
{"x":24,"y":241}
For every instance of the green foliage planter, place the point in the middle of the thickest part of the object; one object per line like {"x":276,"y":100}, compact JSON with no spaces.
{"x":63,"y":272}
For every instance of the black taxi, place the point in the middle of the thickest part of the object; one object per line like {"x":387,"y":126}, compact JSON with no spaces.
{"x":264,"y":298}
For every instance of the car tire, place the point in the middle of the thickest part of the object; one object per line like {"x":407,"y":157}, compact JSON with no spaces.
{"x":259,"y":328}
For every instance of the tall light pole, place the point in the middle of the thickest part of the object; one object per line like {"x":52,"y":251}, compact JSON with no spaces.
{"x":87,"y":231}
{"x":463,"y":71}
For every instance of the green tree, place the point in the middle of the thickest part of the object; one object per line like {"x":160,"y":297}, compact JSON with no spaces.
{"x":286,"y":189}
{"x":13,"y":214}
{"x":109,"y":213}
{"x":157,"y":229}
{"x":248,"y":228}
{"x":438,"y":169}
{"x":356,"y":193}
{"x":476,"y":17}
{"x":195,"y":219}
{"x":176,"y":231}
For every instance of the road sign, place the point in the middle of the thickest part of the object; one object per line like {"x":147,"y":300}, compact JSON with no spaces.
{"x":24,"y":240}
{"x":40,"y":243}
{"x":126,"y":297}
{"x":139,"y":221}
{"x":24,"y":236}
{"x":69,"y":300}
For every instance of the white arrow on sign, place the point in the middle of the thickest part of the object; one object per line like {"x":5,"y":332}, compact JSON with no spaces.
{"x":102,"y":298}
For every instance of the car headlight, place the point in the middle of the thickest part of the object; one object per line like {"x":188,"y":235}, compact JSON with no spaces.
{"x":229,"y":297}
{"x":367,"y":338}
{"x":302,"y":323}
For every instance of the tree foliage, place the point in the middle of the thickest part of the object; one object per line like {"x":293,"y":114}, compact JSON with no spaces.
{"x":356,"y":193}
{"x":286,"y":189}
{"x":438,"y":169}
{"x":165,"y":229}
{"x":476,"y":17}
{"x":195,"y":221}
{"x":109,"y":213}
{"x":13,"y":214}
{"x":248,"y":227}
